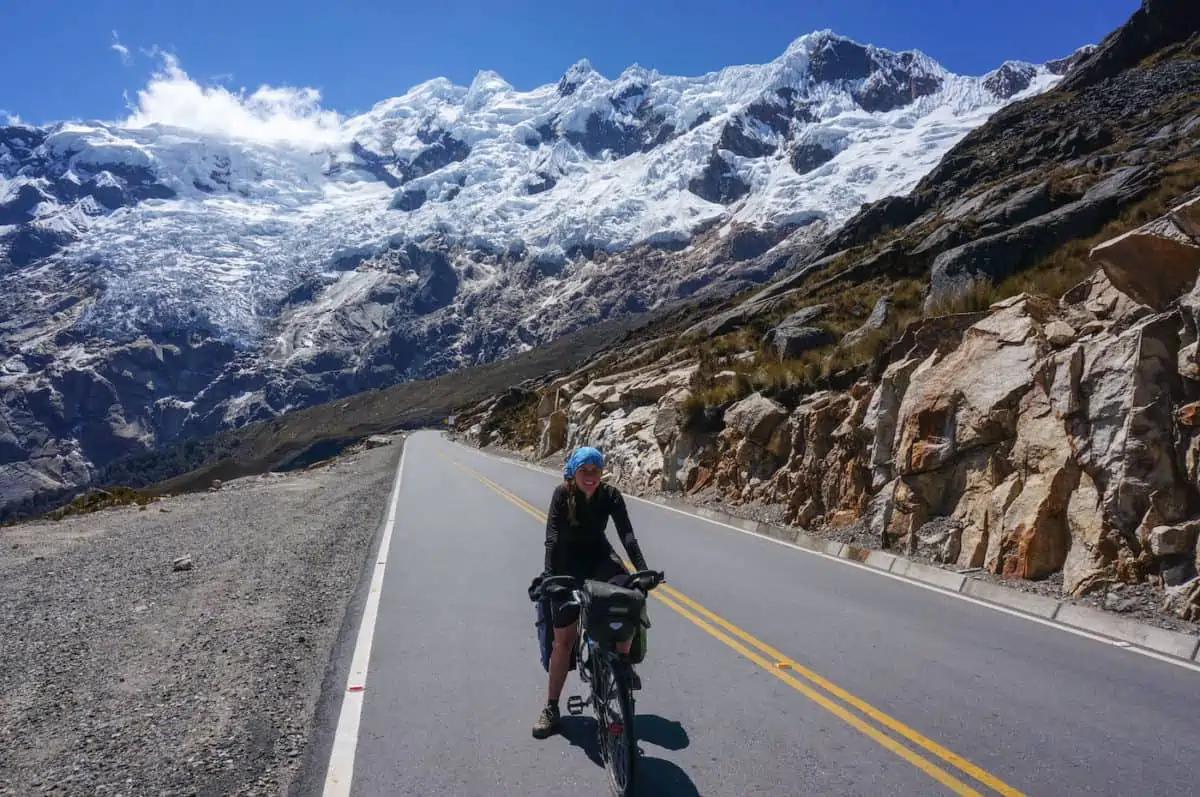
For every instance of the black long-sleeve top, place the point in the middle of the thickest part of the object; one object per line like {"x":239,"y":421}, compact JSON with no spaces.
{"x":570,"y":546}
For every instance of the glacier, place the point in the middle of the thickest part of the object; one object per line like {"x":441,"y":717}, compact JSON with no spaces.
{"x":247,"y":218}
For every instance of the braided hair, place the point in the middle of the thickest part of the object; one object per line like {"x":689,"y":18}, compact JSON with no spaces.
{"x":572,"y":492}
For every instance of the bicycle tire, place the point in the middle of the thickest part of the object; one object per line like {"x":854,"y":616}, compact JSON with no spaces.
{"x":619,"y":756}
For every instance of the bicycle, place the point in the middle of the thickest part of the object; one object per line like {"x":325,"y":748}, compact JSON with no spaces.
{"x":608,"y":614}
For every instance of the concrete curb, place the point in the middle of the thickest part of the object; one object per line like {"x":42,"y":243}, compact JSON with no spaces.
{"x":1123,"y":630}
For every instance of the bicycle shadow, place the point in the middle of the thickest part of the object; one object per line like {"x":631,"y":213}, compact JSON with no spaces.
{"x":655,"y":776}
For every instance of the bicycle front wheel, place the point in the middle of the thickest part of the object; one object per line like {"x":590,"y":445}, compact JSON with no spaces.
{"x":618,"y":738}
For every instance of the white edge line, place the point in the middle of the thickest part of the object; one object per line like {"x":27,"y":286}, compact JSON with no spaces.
{"x":345,"y":740}
{"x":876,"y":571}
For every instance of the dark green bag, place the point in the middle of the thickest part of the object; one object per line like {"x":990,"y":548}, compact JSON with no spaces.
{"x":637,"y":651}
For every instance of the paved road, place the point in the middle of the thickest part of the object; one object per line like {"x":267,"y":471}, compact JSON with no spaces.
{"x":891,"y":689}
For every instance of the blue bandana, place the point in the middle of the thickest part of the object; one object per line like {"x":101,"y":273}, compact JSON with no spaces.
{"x":583,"y":456}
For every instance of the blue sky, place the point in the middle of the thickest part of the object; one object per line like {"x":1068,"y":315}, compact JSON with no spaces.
{"x":64,"y":62}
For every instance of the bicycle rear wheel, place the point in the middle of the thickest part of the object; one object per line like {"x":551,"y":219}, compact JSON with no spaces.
{"x":614,"y":715}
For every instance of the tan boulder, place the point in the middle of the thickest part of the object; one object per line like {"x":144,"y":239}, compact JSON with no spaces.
{"x":1059,"y":334}
{"x":1035,"y":537}
{"x":1154,"y":264}
{"x":594,"y":393}
{"x":1086,"y":565}
{"x":650,"y":387}
{"x":631,"y":451}
{"x":1174,"y":540}
{"x":968,"y":399}
{"x":1095,"y":304}
{"x":985,"y":497}
{"x":557,"y":395}
{"x":1127,"y":430}
{"x":957,"y":411}
{"x":755,"y":418}
{"x":752,"y":448}
{"x":826,"y":474}
{"x":881,"y":416}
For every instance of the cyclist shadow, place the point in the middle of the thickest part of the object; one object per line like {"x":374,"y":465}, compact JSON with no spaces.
{"x":655,"y":776}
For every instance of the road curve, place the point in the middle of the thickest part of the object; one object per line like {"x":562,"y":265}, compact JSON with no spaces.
{"x":771,"y":671}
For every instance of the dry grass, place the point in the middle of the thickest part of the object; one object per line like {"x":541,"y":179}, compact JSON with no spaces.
{"x":979,"y":296}
{"x":96,"y":500}
{"x":517,"y":424}
{"x":1189,"y":49}
{"x":790,"y":379}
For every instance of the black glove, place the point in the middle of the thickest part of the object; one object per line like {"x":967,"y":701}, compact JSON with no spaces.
{"x":535,"y":587}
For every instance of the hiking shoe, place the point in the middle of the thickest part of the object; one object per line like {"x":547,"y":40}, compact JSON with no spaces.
{"x":547,"y":722}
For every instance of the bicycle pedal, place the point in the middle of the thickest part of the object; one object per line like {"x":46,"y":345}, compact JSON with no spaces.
{"x":575,"y":705}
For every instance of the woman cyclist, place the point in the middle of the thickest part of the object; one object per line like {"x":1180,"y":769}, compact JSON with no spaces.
{"x":577,"y":546}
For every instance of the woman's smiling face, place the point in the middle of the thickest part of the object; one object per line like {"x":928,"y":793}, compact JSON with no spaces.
{"x":588,"y":478}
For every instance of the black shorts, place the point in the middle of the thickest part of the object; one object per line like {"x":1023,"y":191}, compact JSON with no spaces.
{"x":604,"y":569}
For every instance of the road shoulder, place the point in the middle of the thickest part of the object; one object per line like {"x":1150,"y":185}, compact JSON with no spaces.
{"x":195,"y":645}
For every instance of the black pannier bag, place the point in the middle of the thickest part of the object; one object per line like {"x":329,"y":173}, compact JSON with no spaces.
{"x":614,"y":613}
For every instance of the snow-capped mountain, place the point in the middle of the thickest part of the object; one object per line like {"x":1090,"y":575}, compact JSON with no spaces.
{"x":160,"y":280}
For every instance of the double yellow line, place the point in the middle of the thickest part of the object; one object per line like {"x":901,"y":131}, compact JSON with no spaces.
{"x":803,"y":680}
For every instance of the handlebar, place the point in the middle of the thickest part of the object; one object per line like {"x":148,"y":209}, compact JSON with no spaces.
{"x":645,"y":580}
{"x":649,"y":578}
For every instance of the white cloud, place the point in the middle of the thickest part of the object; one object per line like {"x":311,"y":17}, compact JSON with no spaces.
{"x":120,"y":49}
{"x":270,"y":114}
{"x":9,"y":117}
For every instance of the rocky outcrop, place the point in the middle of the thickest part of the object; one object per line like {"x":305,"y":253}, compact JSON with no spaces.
{"x":876,"y":321}
{"x":993,"y":258}
{"x":808,"y":155}
{"x":720,"y":181}
{"x":798,"y":333}
{"x":1010,"y":79}
{"x":1038,"y":438}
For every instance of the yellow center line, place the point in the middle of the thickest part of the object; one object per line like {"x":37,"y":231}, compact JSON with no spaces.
{"x":705,"y":619}
{"x":923,"y":764}
{"x":896,"y":725}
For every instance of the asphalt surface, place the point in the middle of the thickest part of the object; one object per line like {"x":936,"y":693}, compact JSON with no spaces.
{"x":930,"y":694}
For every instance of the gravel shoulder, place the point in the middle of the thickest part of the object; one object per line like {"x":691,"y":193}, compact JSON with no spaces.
{"x":123,"y":675}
